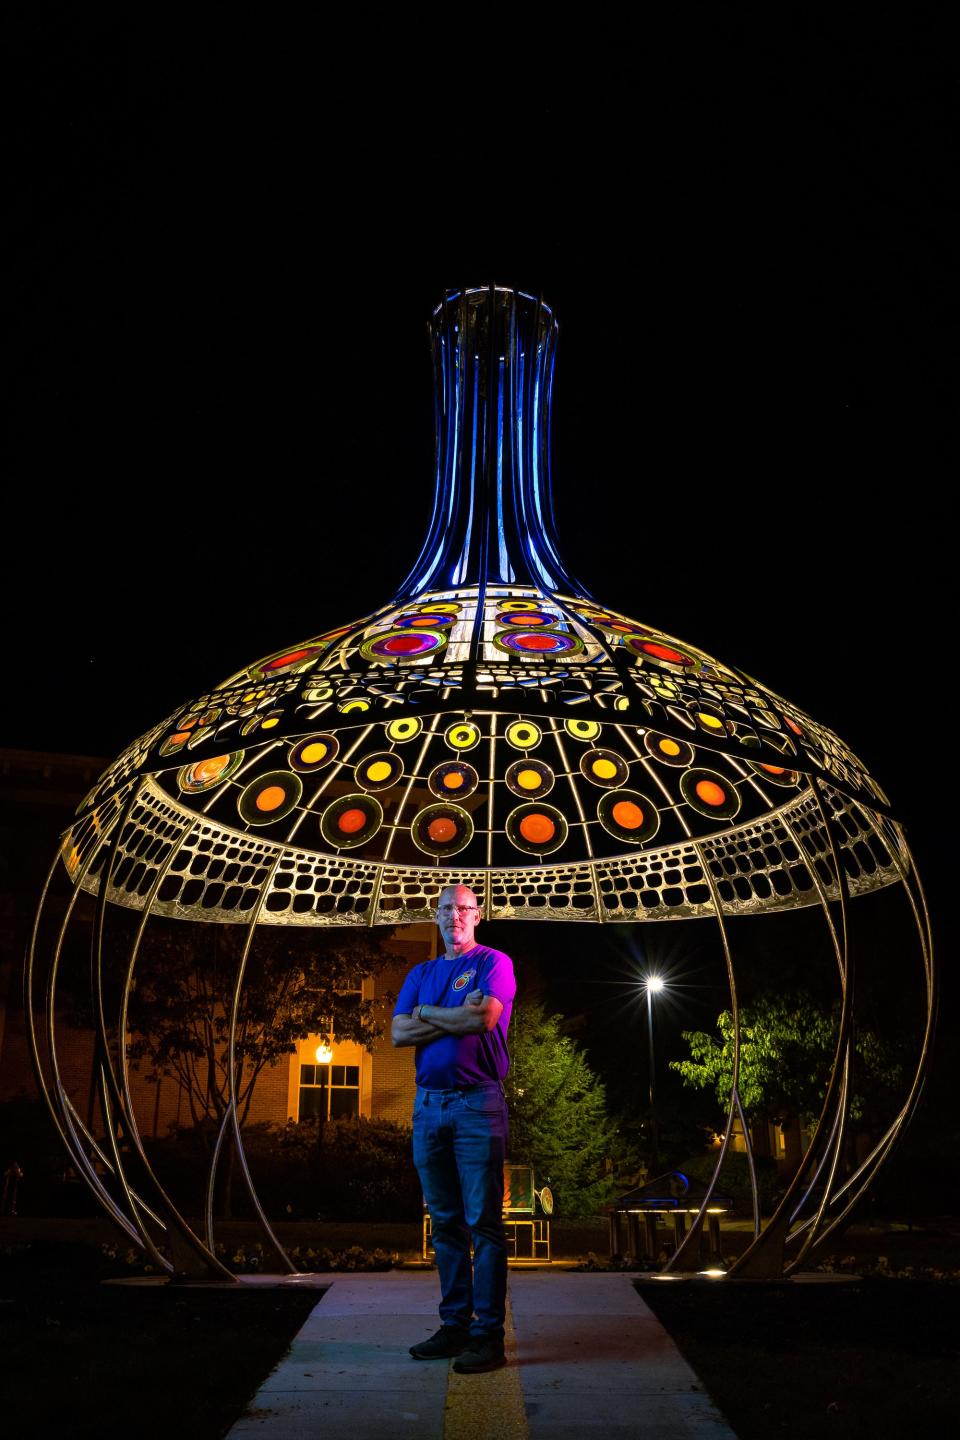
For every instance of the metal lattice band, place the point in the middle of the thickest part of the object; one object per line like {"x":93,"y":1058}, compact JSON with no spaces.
{"x":219,"y":875}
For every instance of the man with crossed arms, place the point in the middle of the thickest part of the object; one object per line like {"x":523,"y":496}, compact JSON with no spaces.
{"x":456,"y":1010}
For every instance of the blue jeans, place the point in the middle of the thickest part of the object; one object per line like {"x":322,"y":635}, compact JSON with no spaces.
{"x":459,"y":1146}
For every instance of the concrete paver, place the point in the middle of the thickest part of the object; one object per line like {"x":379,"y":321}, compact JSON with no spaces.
{"x":585,"y":1356}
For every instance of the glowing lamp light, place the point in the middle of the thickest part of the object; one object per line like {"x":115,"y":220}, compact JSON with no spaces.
{"x":324,"y":1054}
{"x":654,"y":983}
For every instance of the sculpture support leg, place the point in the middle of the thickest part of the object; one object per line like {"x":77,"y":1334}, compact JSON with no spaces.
{"x":685,"y":1243}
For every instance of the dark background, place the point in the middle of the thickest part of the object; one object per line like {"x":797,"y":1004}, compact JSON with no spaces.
{"x":225,"y":248}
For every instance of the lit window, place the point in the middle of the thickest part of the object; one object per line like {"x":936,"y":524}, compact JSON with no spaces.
{"x":329,"y":1091}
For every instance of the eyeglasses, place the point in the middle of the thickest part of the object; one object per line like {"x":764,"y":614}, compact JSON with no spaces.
{"x":460,"y":909}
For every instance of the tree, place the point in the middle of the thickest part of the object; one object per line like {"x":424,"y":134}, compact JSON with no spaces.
{"x":558,"y":1114}
{"x":786,"y":1048}
{"x":295,"y":982}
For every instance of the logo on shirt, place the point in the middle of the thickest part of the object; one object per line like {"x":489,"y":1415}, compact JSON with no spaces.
{"x":461,"y":980}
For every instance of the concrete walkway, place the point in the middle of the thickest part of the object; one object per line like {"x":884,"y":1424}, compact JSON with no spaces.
{"x":586,"y":1357}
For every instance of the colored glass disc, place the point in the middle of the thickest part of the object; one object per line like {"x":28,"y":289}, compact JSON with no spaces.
{"x":463,"y":736}
{"x":286,"y":662}
{"x":526,"y":617}
{"x":628,"y":815}
{"x":537,"y":642}
{"x":523,"y":735}
{"x":380,"y":771}
{"x":423,"y":620}
{"x":405,"y":729}
{"x":536,"y":829}
{"x":528,"y":778}
{"x":710,"y":794}
{"x":207,"y":774}
{"x":351,"y":821}
{"x":668,"y":750}
{"x":442,"y":830}
{"x":776,"y":774}
{"x":710,"y":721}
{"x":174,"y":742}
{"x":402,"y":644}
{"x":270,"y":797}
{"x":582,"y":729}
{"x":659,"y":651}
{"x":455,"y":779}
{"x":314,"y":752}
{"x":604,"y":767}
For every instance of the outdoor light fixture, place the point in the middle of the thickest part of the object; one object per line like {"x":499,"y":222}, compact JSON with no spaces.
{"x":324,"y":1054}
{"x":494,"y":725}
{"x":654,"y":984}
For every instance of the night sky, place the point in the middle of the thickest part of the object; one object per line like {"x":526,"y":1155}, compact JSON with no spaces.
{"x":226,"y":249}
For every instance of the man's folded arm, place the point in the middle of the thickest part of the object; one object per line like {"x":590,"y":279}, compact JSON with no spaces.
{"x":478,"y":1013}
{"x":405,"y":1030}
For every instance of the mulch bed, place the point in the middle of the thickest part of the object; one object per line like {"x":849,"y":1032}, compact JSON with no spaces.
{"x":82,"y":1359}
{"x":870,"y":1358}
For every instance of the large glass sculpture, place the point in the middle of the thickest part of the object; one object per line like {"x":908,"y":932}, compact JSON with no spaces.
{"x":497,"y":725}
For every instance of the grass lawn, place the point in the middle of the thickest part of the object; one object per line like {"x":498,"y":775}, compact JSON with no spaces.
{"x":80,"y":1359}
{"x":870,"y":1358}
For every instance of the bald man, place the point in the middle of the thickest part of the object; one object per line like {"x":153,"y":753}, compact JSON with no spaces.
{"x":456,"y":1010}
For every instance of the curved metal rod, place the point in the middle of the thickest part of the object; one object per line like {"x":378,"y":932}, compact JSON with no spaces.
{"x":102,"y":1154}
{"x":816,"y":1220}
{"x":211,"y":1180}
{"x":869,"y":1166}
{"x":196,"y":1250}
{"x":109,"y":1091}
{"x":32,"y":1045}
{"x":834,"y":1142}
{"x":886,"y":1141}
{"x":67,"y":1130}
{"x":754,"y":1189}
{"x":105,"y":1099}
{"x":697,"y":1224}
{"x":827,"y":1152}
{"x":232,"y":1081}
{"x":764,"y":1257}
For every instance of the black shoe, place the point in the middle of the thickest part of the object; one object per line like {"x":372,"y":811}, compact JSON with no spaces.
{"x":484,"y":1352}
{"x":449,"y":1340}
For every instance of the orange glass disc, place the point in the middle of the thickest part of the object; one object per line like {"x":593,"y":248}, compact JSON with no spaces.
{"x":351,"y":821}
{"x":627,"y":814}
{"x":209,"y":769}
{"x":271,"y":798}
{"x":710,"y":792}
{"x":663,"y":652}
{"x":441,"y":830}
{"x":669,"y":747}
{"x":537,"y":829}
{"x":453,"y":780}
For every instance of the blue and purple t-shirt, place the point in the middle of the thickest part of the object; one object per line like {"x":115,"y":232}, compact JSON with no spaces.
{"x":458,"y":1062}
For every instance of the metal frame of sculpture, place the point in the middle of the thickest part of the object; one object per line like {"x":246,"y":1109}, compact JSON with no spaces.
{"x":496,"y":725}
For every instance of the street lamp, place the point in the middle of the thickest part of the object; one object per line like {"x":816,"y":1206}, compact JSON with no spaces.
{"x":652,"y":984}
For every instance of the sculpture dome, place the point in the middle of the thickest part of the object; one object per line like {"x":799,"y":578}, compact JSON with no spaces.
{"x":492,"y":721}
{"x":495,"y":724}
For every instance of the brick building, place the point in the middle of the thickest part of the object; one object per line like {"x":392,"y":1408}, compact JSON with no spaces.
{"x":38,"y":794}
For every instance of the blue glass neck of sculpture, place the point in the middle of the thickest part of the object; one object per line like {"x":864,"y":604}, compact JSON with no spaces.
{"x":492,"y":519}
